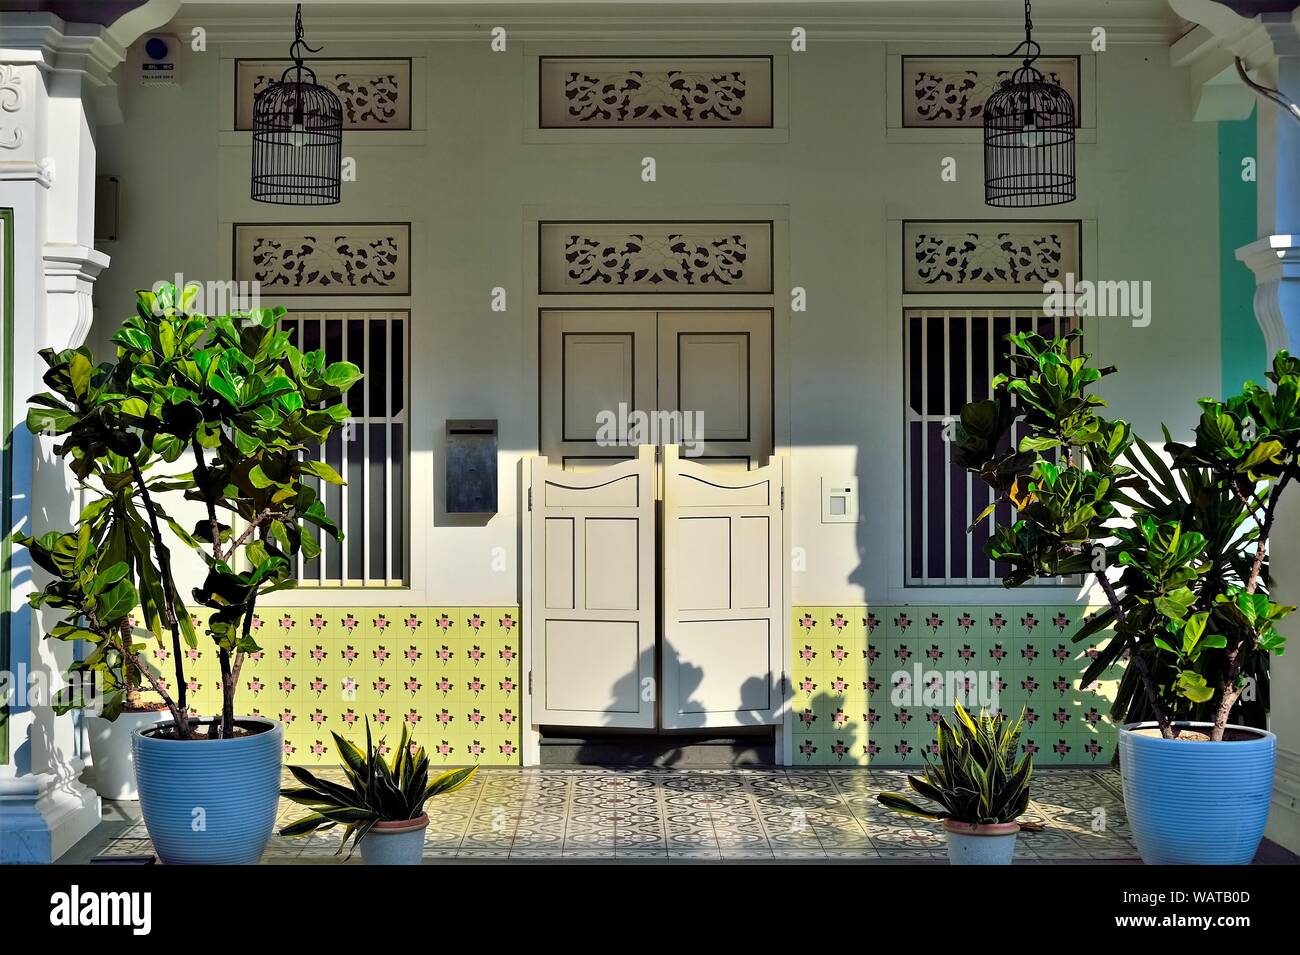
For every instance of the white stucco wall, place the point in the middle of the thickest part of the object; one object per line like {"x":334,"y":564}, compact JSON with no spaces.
{"x":1148,"y":195}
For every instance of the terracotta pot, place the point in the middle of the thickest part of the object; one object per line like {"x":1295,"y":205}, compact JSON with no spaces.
{"x":992,"y":843}
{"x":395,"y":842}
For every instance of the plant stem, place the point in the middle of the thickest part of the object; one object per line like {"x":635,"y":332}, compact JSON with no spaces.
{"x":201,"y":469}
{"x":130,"y":658}
{"x":1144,"y":672}
{"x":227,"y":695}
{"x":164,"y":557}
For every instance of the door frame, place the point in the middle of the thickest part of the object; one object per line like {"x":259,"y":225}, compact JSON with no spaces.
{"x":777,"y":302}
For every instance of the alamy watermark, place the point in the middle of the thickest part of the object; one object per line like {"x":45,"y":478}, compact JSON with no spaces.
{"x":625,"y":427}
{"x":1085,"y":298}
{"x":214,"y":297}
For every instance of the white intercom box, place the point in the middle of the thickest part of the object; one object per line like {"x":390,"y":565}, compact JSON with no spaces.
{"x":839,"y":500}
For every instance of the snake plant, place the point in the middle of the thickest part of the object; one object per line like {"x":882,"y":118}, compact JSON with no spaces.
{"x":975,"y":778}
{"x":379,"y":790}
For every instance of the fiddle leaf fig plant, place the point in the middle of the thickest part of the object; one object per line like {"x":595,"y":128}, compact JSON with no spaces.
{"x":222,"y":411}
{"x":1179,"y":547}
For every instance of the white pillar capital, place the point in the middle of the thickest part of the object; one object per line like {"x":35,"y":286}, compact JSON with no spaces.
{"x":70,"y":273}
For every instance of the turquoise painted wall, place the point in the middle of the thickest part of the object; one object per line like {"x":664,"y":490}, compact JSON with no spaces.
{"x":1241,"y":341}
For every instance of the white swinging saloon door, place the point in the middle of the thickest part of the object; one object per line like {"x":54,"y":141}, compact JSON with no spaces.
{"x":601,"y":657}
{"x":723,"y":608}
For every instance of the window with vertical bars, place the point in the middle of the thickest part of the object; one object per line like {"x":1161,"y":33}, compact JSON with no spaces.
{"x":952,"y":356}
{"x":370,"y":451}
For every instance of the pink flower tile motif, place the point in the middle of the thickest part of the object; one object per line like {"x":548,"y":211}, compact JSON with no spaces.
{"x":381,"y":654}
{"x":933,"y":621}
{"x":317,"y":621}
{"x":317,"y":749}
{"x":1029,"y":747}
{"x":507,"y":717}
{"x":1061,"y":620}
{"x":998,"y":652}
{"x":443,"y":685}
{"x":161,"y":654}
{"x":871,"y":684}
{"x":257,"y":623}
{"x":871,"y":749}
{"x":349,"y":622}
{"x":999,"y":685}
{"x":1061,"y":685}
{"x":287,"y":685}
{"x":932,"y":748}
{"x":412,"y":621}
{"x":412,"y":685}
{"x":286,"y":716}
{"x":507,"y":654}
{"x":475,"y":716}
{"x":444,"y":749}
{"x":286,"y":622}
{"x":507,"y":685}
{"x":902,"y":717}
{"x":871,"y":717}
{"x":381,"y":686}
{"x":839,"y":718}
{"x":903,"y":748}
{"x":1092,"y":717}
{"x":317,"y":685}
{"x":1061,"y":717}
{"x":1092,"y":748}
{"x":286,"y":654}
{"x":381,"y":622}
{"x":1029,"y":621}
{"x":476,"y":749}
{"x":412,"y":654}
{"x":870,"y":622}
{"x":475,"y":622}
{"x":839,"y":654}
{"x":1029,"y":653}
{"x":1061,"y":653}
{"x":475,"y":685}
{"x":902,"y":622}
{"x":192,"y":685}
{"x":902,"y":653}
{"x":934,"y":654}
{"x":318,"y":717}
{"x":1029,"y":685}
{"x":412,"y":718}
{"x":839,"y":685}
{"x":807,"y":749}
{"x":507,"y":622}
{"x":933,"y":717}
{"x":193,"y":654}
{"x":382,"y":748}
{"x":966,"y":653}
{"x":997,"y":622}
{"x":350,"y":717}
{"x":839,"y":749}
{"x":476,"y":654}
{"x":350,"y":654}
{"x":1061,"y":748}
{"x":871,"y":654}
{"x":902,"y":683}
{"x":839,"y":622}
{"x":507,"y":749}
{"x":806,"y":622}
{"x":807,"y":685}
{"x":1031,"y":716}
{"x":348,"y":686}
{"x":965,"y":621}
{"x":444,"y":717}
{"x":318,"y":654}
{"x":807,"y":718}
{"x":443,"y":622}
{"x":255,"y":685}
{"x":257,"y":656}
{"x":444,"y":654}
{"x":807,"y":654}
{"x":289,"y":749}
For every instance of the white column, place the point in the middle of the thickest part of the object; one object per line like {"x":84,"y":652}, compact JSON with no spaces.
{"x":49,"y":74}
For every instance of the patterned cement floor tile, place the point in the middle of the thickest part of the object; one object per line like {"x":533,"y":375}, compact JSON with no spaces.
{"x":658,"y":814}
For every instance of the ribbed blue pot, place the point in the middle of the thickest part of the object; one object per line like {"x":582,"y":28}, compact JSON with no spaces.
{"x":1197,"y":803}
{"x":210,"y":802}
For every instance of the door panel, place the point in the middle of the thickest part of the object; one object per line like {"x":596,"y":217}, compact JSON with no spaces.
{"x":592,"y":593}
{"x":592,"y":362}
{"x":723,"y":620}
{"x":720,"y":365}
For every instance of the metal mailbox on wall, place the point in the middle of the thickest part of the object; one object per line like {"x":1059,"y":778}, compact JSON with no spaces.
{"x":471,"y":466}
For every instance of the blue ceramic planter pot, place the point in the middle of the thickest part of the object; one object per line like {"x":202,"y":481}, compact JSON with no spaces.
{"x":1197,"y":803}
{"x":210,"y":802}
{"x":395,"y":842}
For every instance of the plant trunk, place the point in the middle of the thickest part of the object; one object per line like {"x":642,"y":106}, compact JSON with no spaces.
{"x":1135,"y":656}
{"x":164,"y":557}
{"x":227,"y":695}
{"x":179,"y":718}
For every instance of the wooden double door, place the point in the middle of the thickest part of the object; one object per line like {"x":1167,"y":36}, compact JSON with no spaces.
{"x":656,"y":577}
